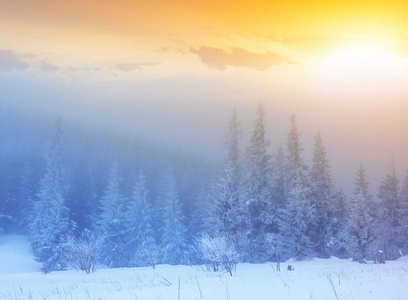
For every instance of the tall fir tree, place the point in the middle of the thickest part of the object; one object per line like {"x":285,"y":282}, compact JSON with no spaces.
{"x":298,"y":218}
{"x":390,"y":228}
{"x":338,"y":222}
{"x":358,"y":231}
{"x":404,"y":215}
{"x":323,"y":194}
{"x":361,"y":184}
{"x":279,"y":185}
{"x":112,"y":223}
{"x":26,"y":196}
{"x":12,"y":200}
{"x":140,"y":222}
{"x":204,"y":210}
{"x":50,"y":216}
{"x":262,"y":210}
{"x":173,"y":232}
{"x":229,"y":210}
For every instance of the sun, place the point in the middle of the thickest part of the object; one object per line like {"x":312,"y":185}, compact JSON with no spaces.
{"x":362,"y":62}
{"x":362,"y":68}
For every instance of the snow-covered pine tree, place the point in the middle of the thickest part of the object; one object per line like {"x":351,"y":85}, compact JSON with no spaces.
{"x":26,"y":195}
{"x":262,"y":210}
{"x":173,"y":232}
{"x":112,"y":222}
{"x":358,"y":231}
{"x":361,"y":187}
{"x":141,"y":239}
{"x":50,"y":216}
{"x":229,"y":212}
{"x":298,"y":217}
{"x":390,"y":227}
{"x":338,"y":222}
{"x":91,"y":195}
{"x":203,"y":209}
{"x":361,"y":184}
{"x":404,"y":215}
{"x":232,"y":137}
{"x":323,"y":194}
{"x":279,"y":185}
{"x":11,"y":199}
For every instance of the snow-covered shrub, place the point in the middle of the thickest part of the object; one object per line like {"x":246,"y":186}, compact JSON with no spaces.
{"x":274,"y":249}
{"x":217,"y":251}
{"x":148,"y":253}
{"x":82,"y":253}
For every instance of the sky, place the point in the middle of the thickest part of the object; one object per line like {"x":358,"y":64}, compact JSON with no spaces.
{"x":174,"y":70}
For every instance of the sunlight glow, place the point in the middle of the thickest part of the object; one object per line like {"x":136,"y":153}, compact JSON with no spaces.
{"x":363,"y":73}
{"x":363,"y":63}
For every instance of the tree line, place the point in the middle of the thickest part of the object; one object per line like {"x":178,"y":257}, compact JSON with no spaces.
{"x":264,"y":206}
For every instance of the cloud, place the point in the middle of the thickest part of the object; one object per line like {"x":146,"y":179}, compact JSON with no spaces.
{"x":47,"y":67}
{"x":12,"y":62}
{"x":129,"y":67}
{"x":216,"y":58}
{"x":162,"y":50}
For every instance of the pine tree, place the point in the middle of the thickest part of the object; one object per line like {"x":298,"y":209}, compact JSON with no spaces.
{"x":11,"y":198}
{"x":50,"y":216}
{"x":229,"y":211}
{"x":279,"y":185}
{"x":174,"y":232}
{"x":141,"y":234}
{"x":112,"y":222}
{"x":358,"y":231}
{"x":298,"y":217}
{"x":338,"y":220}
{"x":232,"y":138}
{"x":404,"y":215}
{"x":323,"y":194}
{"x":26,"y":196}
{"x":391,"y":220}
{"x":204,"y":210}
{"x":262,"y":210}
{"x":361,"y":184}
{"x":361,"y":187}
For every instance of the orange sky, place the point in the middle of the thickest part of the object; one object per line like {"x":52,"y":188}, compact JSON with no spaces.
{"x":123,"y":29}
{"x":342,"y":66}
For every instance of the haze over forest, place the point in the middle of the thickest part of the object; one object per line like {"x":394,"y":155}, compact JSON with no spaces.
{"x":112,"y":112}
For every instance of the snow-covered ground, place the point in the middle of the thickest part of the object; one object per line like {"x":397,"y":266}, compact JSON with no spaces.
{"x":333,"y":278}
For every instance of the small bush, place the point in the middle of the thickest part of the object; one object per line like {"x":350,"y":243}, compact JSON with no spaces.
{"x":218,"y":252}
{"x":148,"y":253}
{"x":82,"y":253}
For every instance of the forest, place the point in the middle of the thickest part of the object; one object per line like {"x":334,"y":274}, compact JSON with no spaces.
{"x":134,"y":203}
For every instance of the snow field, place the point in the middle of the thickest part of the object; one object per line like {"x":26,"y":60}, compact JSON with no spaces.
{"x":313,"y":279}
{"x":325,"y":279}
{"x":16,"y":255}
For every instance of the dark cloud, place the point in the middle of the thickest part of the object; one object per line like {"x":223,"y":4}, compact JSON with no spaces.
{"x":216,"y":58}
{"x":129,"y":67}
{"x":12,"y":62}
